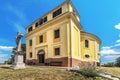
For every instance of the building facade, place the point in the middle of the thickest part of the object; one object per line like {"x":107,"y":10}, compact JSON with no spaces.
{"x":58,"y":39}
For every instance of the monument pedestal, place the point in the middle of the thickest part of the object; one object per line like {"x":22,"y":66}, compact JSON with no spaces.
{"x":18,"y":62}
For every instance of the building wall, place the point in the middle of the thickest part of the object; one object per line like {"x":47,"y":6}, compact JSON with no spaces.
{"x":49,"y":15}
{"x":92,"y":51}
{"x":75,"y":41}
{"x":71,"y":41}
{"x":49,"y":43}
{"x":72,"y":9}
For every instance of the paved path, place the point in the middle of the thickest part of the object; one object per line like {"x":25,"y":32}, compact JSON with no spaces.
{"x":109,"y":76}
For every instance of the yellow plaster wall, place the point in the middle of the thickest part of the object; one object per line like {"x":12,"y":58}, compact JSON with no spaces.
{"x":60,"y":42}
{"x":44,"y":38}
{"x":71,"y":9}
{"x":93,"y":49}
{"x":71,"y":41}
{"x":98,"y":53}
{"x":49,"y":15}
{"x":75,"y":41}
{"x":49,"y":42}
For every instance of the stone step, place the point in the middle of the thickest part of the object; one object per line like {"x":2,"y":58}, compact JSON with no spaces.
{"x":41,"y":64}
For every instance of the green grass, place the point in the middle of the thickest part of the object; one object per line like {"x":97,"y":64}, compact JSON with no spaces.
{"x":40,"y":73}
{"x":111,"y":70}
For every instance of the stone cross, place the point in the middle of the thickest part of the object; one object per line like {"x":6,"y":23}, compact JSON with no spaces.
{"x":18,"y":41}
{"x":18,"y":54}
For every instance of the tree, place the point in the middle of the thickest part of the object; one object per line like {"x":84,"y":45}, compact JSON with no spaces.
{"x":110,"y":64}
{"x":117,"y":62}
{"x":24,"y":51}
{"x":11,"y":60}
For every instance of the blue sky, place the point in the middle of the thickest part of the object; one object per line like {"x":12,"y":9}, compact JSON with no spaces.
{"x":99,"y":17}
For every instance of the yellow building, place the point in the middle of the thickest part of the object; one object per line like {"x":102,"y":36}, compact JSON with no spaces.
{"x":57,"y":39}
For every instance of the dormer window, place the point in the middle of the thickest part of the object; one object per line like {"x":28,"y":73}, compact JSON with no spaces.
{"x":36,"y":24}
{"x":41,"y":22}
{"x":74,"y":13}
{"x":57,"y":12}
{"x":30,"y":29}
{"x":45,"y":19}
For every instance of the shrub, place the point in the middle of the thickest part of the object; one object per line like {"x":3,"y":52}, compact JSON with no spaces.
{"x":117,"y":62}
{"x":110,"y":64}
{"x":88,"y":72}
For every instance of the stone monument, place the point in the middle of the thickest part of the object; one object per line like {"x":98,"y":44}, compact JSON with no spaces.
{"x":18,"y":54}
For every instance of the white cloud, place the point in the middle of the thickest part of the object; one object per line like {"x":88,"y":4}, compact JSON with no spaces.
{"x":117,"y":45}
{"x":3,"y":57}
{"x":106,"y":47}
{"x":6,"y":48}
{"x":111,"y":57}
{"x":117,"y":26}
{"x":5,"y":53}
{"x":109,"y":51}
{"x":118,"y":41}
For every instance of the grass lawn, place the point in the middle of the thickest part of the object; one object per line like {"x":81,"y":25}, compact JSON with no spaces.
{"x":111,"y":70}
{"x":40,"y":73}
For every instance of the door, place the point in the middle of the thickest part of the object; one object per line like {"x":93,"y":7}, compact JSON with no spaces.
{"x":41,"y":58}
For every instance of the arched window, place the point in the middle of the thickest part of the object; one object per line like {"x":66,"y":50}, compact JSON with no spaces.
{"x":86,"y":44}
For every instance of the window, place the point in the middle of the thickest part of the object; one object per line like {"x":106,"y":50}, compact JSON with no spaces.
{"x":98,"y":64}
{"x":30,"y":29}
{"x":45,"y":19}
{"x":87,"y":56}
{"x":86,"y":44}
{"x":41,"y":22}
{"x":41,"y":38}
{"x":57,"y":12}
{"x":57,"y":51}
{"x":57,"y":33}
{"x":36,"y":24}
{"x":30,"y":42}
{"x":30,"y":54}
{"x":74,"y":13}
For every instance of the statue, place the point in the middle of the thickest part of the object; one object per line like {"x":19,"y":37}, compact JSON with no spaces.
{"x":18,"y":53}
{"x":18,"y":41}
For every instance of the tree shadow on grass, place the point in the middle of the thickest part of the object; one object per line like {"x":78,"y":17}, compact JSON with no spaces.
{"x":5,"y":67}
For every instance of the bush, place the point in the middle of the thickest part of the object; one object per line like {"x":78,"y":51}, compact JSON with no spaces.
{"x":117,"y":62}
{"x":88,"y":72}
{"x":110,"y":64}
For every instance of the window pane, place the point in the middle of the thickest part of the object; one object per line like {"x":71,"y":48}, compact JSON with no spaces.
{"x":57,"y":33}
{"x":86,"y":43}
{"x":87,"y":56}
{"x":56,"y":13}
{"x":57,"y":51}
{"x":30,"y":29}
{"x":30,"y":42}
{"x":36,"y":25}
{"x":41,"y":38}
{"x":41,"y":22}
{"x":45,"y":19}
{"x":30,"y":54}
